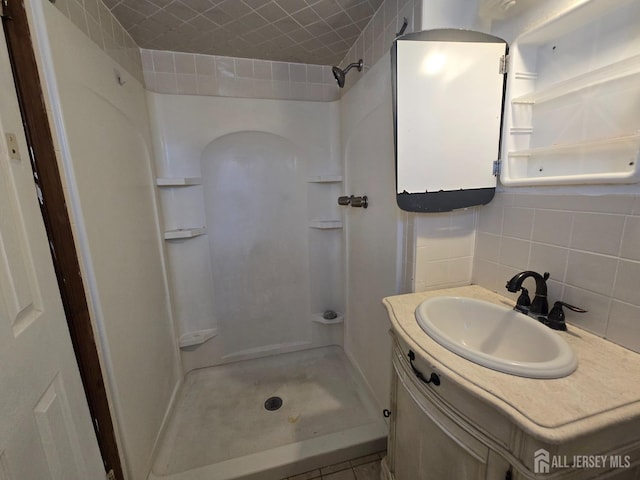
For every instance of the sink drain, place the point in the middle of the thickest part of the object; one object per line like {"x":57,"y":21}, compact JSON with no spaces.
{"x":273,"y":403}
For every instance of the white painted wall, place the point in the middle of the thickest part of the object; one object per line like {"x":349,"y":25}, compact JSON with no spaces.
{"x":105,"y":147}
{"x":449,"y":14}
{"x":261,"y":272}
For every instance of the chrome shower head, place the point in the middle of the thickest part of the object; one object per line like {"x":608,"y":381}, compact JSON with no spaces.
{"x":340,"y":74}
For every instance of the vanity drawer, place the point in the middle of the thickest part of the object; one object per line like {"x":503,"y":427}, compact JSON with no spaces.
{"x":478,"y":415}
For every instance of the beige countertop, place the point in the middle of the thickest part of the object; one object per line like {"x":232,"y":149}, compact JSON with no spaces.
{"x":603,"y":391}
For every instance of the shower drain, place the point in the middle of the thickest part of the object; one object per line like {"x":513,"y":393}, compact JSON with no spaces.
{"x":273,"y":403}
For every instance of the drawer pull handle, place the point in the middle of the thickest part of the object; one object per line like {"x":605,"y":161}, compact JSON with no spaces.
{"x":433,"y":378}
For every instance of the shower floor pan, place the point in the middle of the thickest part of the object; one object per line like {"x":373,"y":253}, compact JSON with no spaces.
{"x":221,"y":430}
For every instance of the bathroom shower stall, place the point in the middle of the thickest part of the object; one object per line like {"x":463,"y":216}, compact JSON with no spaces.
{"x":256,"y":254}
{"x":255,"y":242}
{"x":212,"y":245}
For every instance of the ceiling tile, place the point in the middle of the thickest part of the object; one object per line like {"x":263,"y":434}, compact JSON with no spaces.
{"x":299,"y":31}
{"x":180,"y":10}
{"x":272,"y":12}
{"x":327,"y":8}
{"x":306,"y":16}
{"x":234,"y":8}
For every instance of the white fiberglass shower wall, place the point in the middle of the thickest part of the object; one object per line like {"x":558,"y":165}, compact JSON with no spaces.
{"x":254,"y":239}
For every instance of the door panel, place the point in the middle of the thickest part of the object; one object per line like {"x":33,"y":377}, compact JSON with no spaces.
{"x":45,"y":426}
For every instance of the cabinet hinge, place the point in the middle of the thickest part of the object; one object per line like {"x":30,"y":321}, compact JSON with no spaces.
{"x":504,"y":64}
{"x":111,"y":475}
{"x":497,"y":167}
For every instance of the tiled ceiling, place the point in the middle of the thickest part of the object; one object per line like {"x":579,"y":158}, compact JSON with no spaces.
{"x":306,"y":31}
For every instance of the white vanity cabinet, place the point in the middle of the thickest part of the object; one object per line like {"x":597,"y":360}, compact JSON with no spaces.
{"x":479,"y":424}
{"x":426,"y":443}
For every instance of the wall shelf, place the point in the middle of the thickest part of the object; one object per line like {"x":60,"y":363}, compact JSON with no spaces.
{"x":326,"y":224}
{"x":318,"y":318}
{"x":607,"y":160}
{"x":325,"y":179}
{"x":631,"y":142}
{"x":184,"y":233}
{"x":197,"y":338}
{"x":609,"y":73}
{"x":582,"y":129}
{"x":178,"y":181}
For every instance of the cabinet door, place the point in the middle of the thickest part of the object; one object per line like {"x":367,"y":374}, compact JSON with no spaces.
{"x":429,"y":446}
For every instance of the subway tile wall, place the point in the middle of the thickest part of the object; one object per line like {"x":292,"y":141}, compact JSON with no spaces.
{"x":193,"y":74}
{"x":97,"y":22}
{"x":589,"y":244}
{"x":377,"y":37}
{"x":444,"y":248}
{"x":178,"y":73}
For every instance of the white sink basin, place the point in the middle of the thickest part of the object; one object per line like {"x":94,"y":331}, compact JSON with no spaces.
{"x":496,"y":337}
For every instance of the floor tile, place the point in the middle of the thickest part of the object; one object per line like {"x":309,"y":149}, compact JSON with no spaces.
{"x":367,"y":459}
{"x":343,"y":475}
{"x":337,"y":467}
{"x":368,"y":471}
{"x":306,"y":476}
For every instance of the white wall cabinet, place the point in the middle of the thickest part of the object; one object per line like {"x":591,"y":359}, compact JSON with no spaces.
{"x":574,"y":96}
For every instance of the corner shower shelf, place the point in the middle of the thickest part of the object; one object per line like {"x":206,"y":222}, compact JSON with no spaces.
{"x":625,"y":68}
{"x":197,"y":338}
{"x":178,"y":182}
{"x":317,"y":317}
{"x":325,"y":179}
{"x":184,"y":233}
{"x":326,"y":224}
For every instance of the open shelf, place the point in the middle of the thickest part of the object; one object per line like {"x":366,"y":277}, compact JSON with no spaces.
{"x":178,"y":181}
{"x":184,"y":233}
{"x":621,"y":69}
{"x":325,"y":179}
{"x":325,"y":224}
{"x":606,"y":160}
{"x":317,"y":317}
{"x":614,"y":143}
{"x":574,"y":76}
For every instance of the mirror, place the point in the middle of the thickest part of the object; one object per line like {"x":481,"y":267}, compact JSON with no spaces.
{"x":448,"y":91}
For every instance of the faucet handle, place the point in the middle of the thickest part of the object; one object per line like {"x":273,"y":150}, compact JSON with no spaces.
{"x":524,"y":301}
{"x":556,"y":316}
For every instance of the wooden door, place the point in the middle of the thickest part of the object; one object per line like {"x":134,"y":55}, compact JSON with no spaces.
{"x":45,"y":425}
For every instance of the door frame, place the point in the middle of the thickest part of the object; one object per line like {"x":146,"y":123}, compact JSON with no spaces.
{"x":58,"y":227}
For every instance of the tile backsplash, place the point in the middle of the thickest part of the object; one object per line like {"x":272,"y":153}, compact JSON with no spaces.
{"x":589,"y":244}
{"x":444,"y":245}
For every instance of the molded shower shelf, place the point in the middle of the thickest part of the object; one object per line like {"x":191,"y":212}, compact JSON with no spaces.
{"x":317,"y":317}
{"x":178,"y":182}
{"x":325,"y":224}
{"x":325,"y":179}
{"x":197,"y":338}
{"x":184,"y":233}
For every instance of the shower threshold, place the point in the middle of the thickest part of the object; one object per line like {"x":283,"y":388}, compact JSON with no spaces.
{"x":269,"y":418}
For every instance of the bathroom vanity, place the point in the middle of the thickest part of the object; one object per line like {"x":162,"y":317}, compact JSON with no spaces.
{"x":473,"y":423}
